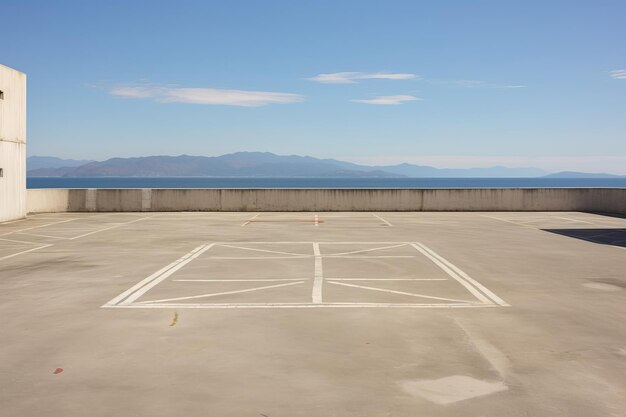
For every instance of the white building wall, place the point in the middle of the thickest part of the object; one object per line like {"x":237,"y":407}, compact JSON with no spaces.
{"x":12,"y":144}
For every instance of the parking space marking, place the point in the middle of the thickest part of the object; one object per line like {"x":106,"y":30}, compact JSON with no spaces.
{"x":410,"y":294}
{"x":381,"y":219}
{"x":366,"y":250}
{"x":262,"y":250}
{"x":508,"y":221}
{"x":318,"y":275}
{"x":386,"y":279}
{"x":41,"y":246}
{"x":19,"y":241}
{"x":23,"y":252}
{"x":471,"y":284}
{"x":484,"y":297}
{"x":38,"y":227}
{"x":259,"y":257}
{"x":220,"y":293}
{"x":574,"y":220}
{"x":250,"y":220}
{"x":241,"y":280}
{"x":302,"y":305}
{"x":532,"y":222}
{"x":40,"y":235}
{"x":136,"y":291}
{"x":109,"y":228}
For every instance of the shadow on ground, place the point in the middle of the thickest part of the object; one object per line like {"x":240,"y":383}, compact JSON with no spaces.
{"x":614,"y":237}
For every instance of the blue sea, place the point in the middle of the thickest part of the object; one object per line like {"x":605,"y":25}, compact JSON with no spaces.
{"x":207,"y":182}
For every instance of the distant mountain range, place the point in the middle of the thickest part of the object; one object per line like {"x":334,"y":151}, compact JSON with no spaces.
{"x":261,"y":164}
{"x":573,"y":174}
{"x":39,"y":162}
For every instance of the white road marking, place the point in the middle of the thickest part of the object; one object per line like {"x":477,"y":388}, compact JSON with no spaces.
{"x":367,"y":250}
{"x":221,"y":293}
{"x":37,"y":227}
{"x":259,"y":257}
{"x":23,"y":252}
{"x":249,"y":220}
{"x":241,"y":280}
{"x":386,"y":279}
{"x":468,"y":282}
{"x":143,"y":286}
{"x":128,"y":298}
{"x":300,"y":305}
{"x":263,"y":250}
{"x":39,"y":235}
{"x":20,"y":241}
{"x":286,"y":242}
{"x":443,"y":265}
{"x":574,"y":220}
{"x":108,"y":228}
{"x":382,"y":220}
{"x":317,"y":220}
{"x":399,"y":292}
{"x":369,"y":257}
{"x":319,"y":275}
{"x":508,"y":221}
{"x":14,"y":221}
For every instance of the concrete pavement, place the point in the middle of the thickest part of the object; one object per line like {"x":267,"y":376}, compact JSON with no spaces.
{"x":305,"y":314}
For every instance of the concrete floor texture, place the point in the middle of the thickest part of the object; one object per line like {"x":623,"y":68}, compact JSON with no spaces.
{"x":499,"y":314}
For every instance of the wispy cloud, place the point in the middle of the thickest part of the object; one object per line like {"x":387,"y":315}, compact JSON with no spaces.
{"x":388,"y":100}
{"x":207,"y":96}
{"x":619,"y":74}
{"x":354,"y":77}
{"x":475,"y":84}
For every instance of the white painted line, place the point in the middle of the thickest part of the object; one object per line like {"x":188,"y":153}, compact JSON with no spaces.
{"x":39,"y":235}
{"x":221,"y":293}
{"x":319,"y":275}
{"x":382,"y":220}
{"x":574,"y":220}
{"x":23,"y":252}
{"x":20,"y":241}
{"x":317,"y":221}
{"x":468,"y":282}
{"x":367,"y":250}
{"x":140,"y":288}
{"x":508,"y":221}
{"x":263,"y":250}
{"x":310,"y":243}
{"x":37,"y":227}
{"x":259,"y":257}
{"x":249,"y":220}
{"x":369,"y":257}
{"x":387,"y":279}
{"x":399,"y":292}
{"x":241,"y":280}
{"x":14,"y":221}
{"x":108,"y":228}
{"x":295,"y":305}
{"x":450,"y":272}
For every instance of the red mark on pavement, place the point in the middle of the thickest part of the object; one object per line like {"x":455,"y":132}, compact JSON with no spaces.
{"x":58,"y":371}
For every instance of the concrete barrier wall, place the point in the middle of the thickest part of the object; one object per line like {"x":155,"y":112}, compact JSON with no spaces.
{"x":612,"y":200}
{"x":12,"y":144}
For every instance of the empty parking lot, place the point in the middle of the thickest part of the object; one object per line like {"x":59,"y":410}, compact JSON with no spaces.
{"x":313,"y":314}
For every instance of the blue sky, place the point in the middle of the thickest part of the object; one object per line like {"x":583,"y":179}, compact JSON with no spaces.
{"x":443,"y":83}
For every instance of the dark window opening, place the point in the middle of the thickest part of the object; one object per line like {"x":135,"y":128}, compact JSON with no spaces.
{"x":1,"y":95}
